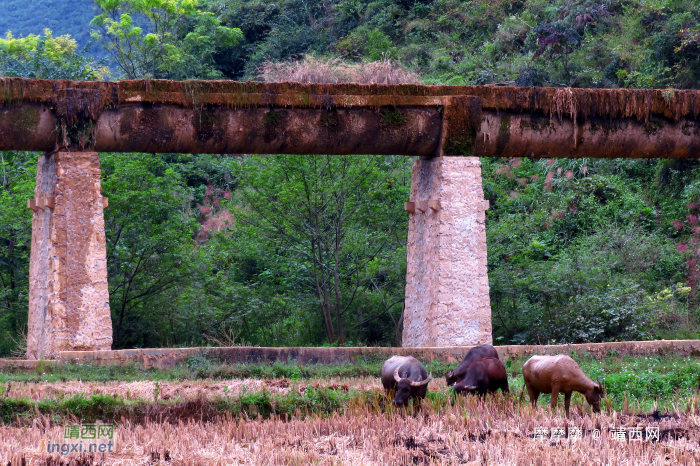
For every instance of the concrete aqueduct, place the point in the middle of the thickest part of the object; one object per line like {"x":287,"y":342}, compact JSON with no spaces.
{"x":447,"y":292}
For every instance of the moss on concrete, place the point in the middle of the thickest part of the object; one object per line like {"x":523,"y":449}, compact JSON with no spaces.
{"x":503,"y":134}
{"x":392,"y":118}
{"x":608,"y":103}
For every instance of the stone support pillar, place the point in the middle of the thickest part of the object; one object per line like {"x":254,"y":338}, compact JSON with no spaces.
{"x":447,"y":288}
{"x":68,"y":295}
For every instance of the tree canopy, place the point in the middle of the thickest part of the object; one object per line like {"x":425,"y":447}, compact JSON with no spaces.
{"x":162,"y":39}
{"x":47,"y":57}
{"x":310,"y":250}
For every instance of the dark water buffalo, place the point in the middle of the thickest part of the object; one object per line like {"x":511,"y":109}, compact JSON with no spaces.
{"x":478,"y":352}
{"x":407,"y":376}
{"x":484,"y":375}
{"x":559,"y":374}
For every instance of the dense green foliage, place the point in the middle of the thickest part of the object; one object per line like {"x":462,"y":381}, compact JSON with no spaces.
{"x":588,"y":250}
{"x":47,"y":57}
{"x":581,"y":43}
{"x":337,"y":226}
{"x":164,"y":39}
{"x":17,"y":176}
{"x":24,"y":18}
{"x":311,"y":250}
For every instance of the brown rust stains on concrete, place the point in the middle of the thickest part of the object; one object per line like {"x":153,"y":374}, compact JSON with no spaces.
{"x":532,"y":135}
{"x":69,"y":300}
{"x":461,"y":121}
{"x":169,"y":357}
{"x":147,"y":126}
{"x":28,"y":126}
{"x":578,"y":103}
{"x":647,"y":123}
{"x":158,"y":128}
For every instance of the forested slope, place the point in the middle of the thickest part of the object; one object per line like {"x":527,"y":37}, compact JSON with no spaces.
{"x":215,"y":248}
{"x":580,"y":43}
{"x":23,"y":17}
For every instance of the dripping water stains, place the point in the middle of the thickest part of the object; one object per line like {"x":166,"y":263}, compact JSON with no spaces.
{"x":503,"y":134}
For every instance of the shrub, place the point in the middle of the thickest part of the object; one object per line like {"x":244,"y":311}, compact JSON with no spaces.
{"x":334,"y":70}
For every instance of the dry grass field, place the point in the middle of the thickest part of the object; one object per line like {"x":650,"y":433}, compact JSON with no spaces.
{"x":194,"y":389}
{"x":363,"y":429}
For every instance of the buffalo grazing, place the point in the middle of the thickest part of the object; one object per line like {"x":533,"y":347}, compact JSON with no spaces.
{"x":478,"y":352}
{"x":559,"y":374}
{"x":407,"y":376}
{"x":482,"y":376}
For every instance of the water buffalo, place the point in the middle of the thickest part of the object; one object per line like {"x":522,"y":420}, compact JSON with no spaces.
{"x":484,"y":375}
{"x":478,"y":352}
{"x":407,"y":376}
{"x":556,"y":374}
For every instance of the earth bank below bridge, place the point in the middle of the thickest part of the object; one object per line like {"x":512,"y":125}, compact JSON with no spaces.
{"x":165,"y":358}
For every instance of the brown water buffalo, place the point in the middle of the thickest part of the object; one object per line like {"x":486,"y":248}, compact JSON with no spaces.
{"x":407,"y":376}
{"x":478,"y":352}
{"x":484,"y":375}
{"x":559,"y":374}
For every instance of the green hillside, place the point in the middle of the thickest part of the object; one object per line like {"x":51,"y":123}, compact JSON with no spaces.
{"x":24,"y":17}
{"x":580,"y":43}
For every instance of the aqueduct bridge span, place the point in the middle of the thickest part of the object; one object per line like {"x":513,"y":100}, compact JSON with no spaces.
{"x":447,"y":295}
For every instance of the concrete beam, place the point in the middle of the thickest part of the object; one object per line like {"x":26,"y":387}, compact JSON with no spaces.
{"x":507,"y":134}
{"x":231,"y":117}
{"x":159,"y":128}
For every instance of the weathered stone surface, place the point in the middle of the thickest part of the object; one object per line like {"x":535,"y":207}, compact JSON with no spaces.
{"x":68,"y":295}
{"x":225,"y":117}
{"x":447,"y":290}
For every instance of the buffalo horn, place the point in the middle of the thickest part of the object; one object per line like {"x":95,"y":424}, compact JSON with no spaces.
{"x":424,"y":382}
{"x":396,"y":375}
{"x":471,"y":387}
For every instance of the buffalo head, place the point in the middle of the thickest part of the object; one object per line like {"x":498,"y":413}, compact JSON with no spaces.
{"x":407,"y":388}
{"x":463,"y":387}
{"x":451,"y":378}
{"x":593,"y":397}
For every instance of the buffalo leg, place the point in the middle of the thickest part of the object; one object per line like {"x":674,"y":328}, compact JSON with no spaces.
{"x":533,"y":394}
{"x":555,"y":395}
{"x":567,"y":400}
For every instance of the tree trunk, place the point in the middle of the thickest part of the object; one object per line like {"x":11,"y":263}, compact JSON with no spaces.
{"x":322,"y":293}
{"x":398,"y":328}
{"x":118,"y":329}
{"x":338,"y":303}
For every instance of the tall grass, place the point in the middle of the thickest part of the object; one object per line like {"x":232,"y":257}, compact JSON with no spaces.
{"x":278,"y":414}
{"x":370,"y":431}
{"x":334,"y":71}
